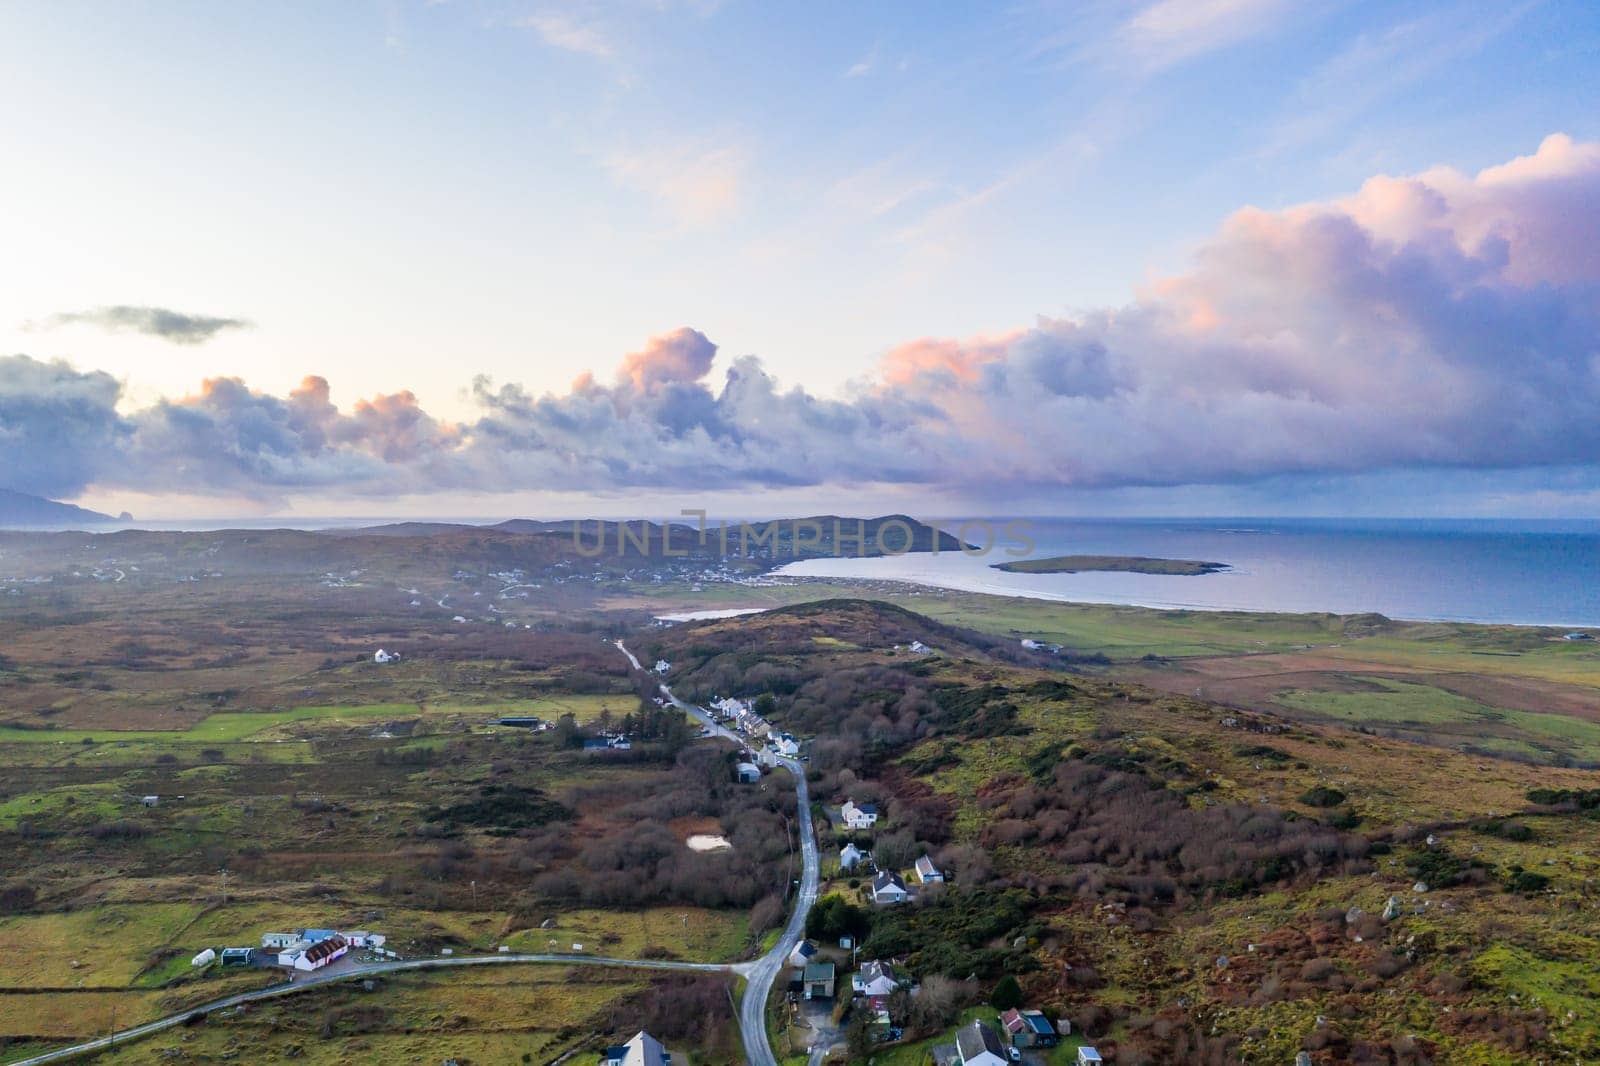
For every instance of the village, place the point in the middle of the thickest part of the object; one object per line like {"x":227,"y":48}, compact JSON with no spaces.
{"x":828,"y":983}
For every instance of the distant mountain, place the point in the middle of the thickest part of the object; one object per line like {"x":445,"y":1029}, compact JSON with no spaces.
{"x":20,"y":510}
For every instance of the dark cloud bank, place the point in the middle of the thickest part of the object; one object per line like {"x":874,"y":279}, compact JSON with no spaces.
{"x":174,"y":326}
{"x":1440,"y":320}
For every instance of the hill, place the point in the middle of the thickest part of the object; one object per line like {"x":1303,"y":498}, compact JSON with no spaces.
{"x":19,"y":510}
{"x":1185,"y":882}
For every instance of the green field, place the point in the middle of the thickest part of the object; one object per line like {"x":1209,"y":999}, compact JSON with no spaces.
{"x":1405,"y":705}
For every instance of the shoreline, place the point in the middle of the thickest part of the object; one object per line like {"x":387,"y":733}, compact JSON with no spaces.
{"x":919,"y":587}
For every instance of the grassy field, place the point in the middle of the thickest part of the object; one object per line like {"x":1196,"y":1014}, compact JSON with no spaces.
{"x":691,"y":934}
{"x":483,"y":1017}
{"x":1440,"y":716}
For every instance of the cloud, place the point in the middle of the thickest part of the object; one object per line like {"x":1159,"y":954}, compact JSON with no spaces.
{"x":174,"y":326}
{"x":1434,"y":322}
{"x":699,"y":182}
{"x":1170,"y":31}
{"x":863,"y":66}
{"x":568,"y":32}
{"x":683,"y":356}
{"x":58,"y":426}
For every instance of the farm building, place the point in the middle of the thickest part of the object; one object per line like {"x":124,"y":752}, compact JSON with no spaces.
{"x":236,"y":956}
{"x":322,"y":953}
{"x":927,"y":872}
{"x":819,"y":978}
{"x":749,"y":773}
{"x":205,"y":958}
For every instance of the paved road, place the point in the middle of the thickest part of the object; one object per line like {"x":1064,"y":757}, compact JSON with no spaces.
{"x":368,"y":970}
{"x":759,"y":975}
{"x":765,"y":970}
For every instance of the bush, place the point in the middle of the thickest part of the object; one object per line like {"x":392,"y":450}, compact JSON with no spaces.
{"x":1007,"y":994}
{"x":1506,"y":829}
{"x":834,"y":917}
{"x":1322,"y":796}
{"x":1526,"y":881}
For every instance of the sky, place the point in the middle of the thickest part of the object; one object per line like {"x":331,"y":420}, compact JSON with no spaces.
{"x":519,"y":257}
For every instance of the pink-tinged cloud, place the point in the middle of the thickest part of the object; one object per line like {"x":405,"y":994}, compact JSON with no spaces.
{"x":1436,"y":320}
{"x":929,"y":356}
{"x":682,"y":356}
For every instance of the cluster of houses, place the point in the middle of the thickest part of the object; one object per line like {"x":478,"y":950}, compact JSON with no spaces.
{"x":813,"y":977}
{"x":977,"y":1043}
{"x":980,"y":1044}
{"x":308,"y":950}
{"x":740,"y":716}
{"x":887,"y":887}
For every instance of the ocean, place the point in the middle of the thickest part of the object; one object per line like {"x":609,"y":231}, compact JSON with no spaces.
{"x":1495,"y":571}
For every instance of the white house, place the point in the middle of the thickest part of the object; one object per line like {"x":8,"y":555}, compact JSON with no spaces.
{"x":874,"y":979}
{"x":787,"y":746}
{"x":979,"y":1045}
{"x":863,"y":816}
{"x":927,"y":872}
{"x":850,"y":857}
{"x":386,"y":657}
{"x":802,"y":954}
{"x":888,"y":888}
{"x":322,"y":953}
{"x":279,"y":940}
{"x":642,"y":1050}
{"x":662,"y":666}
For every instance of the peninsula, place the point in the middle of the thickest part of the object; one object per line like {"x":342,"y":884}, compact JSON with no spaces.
{"x":1131,"y":564}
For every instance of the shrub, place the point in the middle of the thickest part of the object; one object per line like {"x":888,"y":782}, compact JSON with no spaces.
{"x":1007,"y":994}
{"x":1322,"y":796}
{"x":1526,"y":881}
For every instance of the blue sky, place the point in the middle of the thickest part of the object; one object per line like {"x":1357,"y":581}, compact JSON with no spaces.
{"x":403,"y":196}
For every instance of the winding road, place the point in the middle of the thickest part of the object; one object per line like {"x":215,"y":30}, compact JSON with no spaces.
{"x":759,"y":975}
{"x":368,"y":970}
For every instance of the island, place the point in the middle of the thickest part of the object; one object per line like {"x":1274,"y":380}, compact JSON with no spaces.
{"x":1128,"y":564}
